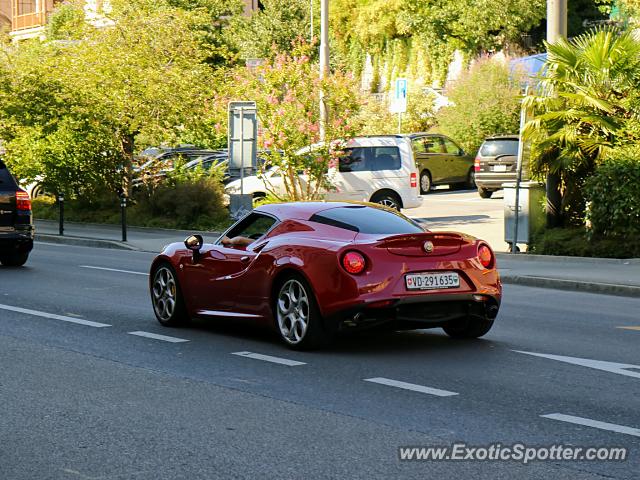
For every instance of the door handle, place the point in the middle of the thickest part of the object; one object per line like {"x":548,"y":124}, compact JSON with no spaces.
{"x":244,"y":259}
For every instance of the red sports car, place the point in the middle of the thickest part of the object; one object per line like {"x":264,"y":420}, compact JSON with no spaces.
{"x":316,"y":269}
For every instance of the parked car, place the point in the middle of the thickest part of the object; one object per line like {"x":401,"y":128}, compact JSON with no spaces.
{"x":496,"y":163}
{"x":16,"y":226}
{"x":314,"y":269}
{"x":378,"y":169}
{"x":441,"y":161}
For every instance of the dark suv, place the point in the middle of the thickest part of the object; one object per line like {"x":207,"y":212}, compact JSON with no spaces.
{"x":16,"y":227}
{"x":496,"y":163}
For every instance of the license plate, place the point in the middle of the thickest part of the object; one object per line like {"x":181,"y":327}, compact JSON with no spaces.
{"x":499,"y":168}
{"x":432,"y":281}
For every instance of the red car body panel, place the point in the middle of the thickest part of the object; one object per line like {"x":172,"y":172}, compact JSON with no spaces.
{"x":221,"y":281}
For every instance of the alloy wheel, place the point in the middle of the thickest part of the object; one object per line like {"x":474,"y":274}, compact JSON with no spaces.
{"x":293,"y":311}
{"x":165,"y":293}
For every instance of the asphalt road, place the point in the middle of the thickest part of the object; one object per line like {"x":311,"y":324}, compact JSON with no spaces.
{"x":83,"y":398}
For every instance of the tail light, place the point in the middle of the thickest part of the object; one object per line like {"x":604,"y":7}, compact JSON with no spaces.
{"x":485,"y":255}
{"x":414,"y":180}
{"x":354,"y":262}
{"x":476,"y":164}
{"x":23,"y":202}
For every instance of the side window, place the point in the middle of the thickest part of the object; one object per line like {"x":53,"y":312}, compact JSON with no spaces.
{"x":418,"y":145}
{"x":433,"y":145}
{"x":450,"y":147}
{"x":354,"y":160}
{"x":5,"y":177}
{"x":385,"y":158}
{"x":254,"y":226}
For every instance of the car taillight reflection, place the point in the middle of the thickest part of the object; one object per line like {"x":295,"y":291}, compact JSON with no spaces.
{"x":354,"y":262}
{"x":23,"y":202}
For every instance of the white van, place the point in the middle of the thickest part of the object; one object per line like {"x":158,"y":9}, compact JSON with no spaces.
{"x":379,"y":169}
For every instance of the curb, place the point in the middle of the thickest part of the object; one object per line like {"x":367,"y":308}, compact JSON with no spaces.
{"x":575,"y":285}
{"x":529,"y":257}
{"x":84,"y":242}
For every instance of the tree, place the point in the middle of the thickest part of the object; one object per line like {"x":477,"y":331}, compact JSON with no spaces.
{"x":485,"y":101}
{"x":104,"y":93}
{"x":270,"y":30}
{"x":588,"y":104}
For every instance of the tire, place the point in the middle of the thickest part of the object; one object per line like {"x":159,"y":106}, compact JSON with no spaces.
{"x":297,"y":316}
{"x":15,"y":260}
{"x":389,"y":200}
{"x":425,"y":182}
{"x":166,"y":297}
{"x":484,"y":193}
{"x":471,"y":179}
{"x":469,"y":327}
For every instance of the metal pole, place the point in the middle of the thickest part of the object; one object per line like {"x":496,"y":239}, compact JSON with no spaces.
{"x":324,"y":62}
{"x":399,"y":123}
{"x":123,"y":215}
{"x":61,"y":211}
{"x":523,"y":119}
{"x":556,"y":28}
{"x":241,"y":150}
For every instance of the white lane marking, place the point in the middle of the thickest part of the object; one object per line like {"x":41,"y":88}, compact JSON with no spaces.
{"x":53,"y":316}
{"x":269,"y":358}
{"x":156,"y":336}
{"x":113,"y":270}
{"x":611,"y":367}
{"x":587,"y":422}
{"x":411,"y":386}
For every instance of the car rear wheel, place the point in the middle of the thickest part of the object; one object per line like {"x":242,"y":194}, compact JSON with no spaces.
{"x":387,"y":199}
{"x":484,"y":193}
{"x":471,"y":179}
{"x":469,"y":327}
{"x":15,"y":260}
{"x":425,"y":182}
{"x":166,"y":296}
{"x":297,"y":315}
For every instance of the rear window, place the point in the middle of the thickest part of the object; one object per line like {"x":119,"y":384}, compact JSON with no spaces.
{"x":493,"y":148}
{"x":370,"y":159}
{"x":362,"y":219}
{"x":6,"y":180}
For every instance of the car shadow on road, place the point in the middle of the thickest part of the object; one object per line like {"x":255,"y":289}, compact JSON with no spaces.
{"x":380,"y":343}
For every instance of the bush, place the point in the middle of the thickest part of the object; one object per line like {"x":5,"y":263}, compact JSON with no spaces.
{"x":575,"y":242}
{"x":486,"y":101}
{"x":613,"y":196}
{"x":188,"y":203}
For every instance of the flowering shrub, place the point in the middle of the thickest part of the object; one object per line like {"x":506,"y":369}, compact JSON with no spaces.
{"x":287,"y":92}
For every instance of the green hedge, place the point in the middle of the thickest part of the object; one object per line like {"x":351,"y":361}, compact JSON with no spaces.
{"x":613,"y":193}
{"x":575,"y":242}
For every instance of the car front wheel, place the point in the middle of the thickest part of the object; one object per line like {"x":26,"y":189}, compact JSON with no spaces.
{"x":166,"y":296}
{"x":298,"y":318}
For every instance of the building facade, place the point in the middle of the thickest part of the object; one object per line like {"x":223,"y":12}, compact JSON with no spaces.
{"x":27,"y":18}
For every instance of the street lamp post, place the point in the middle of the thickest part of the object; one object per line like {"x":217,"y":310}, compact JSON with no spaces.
{"x":556,"y":29}
{"x":324,"y":62}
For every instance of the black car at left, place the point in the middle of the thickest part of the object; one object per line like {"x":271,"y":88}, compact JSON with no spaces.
{"x":16,"y":225}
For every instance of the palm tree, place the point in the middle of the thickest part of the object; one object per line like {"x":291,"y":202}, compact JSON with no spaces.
{"x":583,"y":103}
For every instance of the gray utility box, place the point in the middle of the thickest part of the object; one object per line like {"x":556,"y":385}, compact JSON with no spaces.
{"x":530,"y":210}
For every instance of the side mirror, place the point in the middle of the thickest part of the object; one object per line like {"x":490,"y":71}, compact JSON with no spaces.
{"x":194,"y":243}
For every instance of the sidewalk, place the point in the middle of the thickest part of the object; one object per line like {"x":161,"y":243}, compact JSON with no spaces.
{"x":596,"y":275}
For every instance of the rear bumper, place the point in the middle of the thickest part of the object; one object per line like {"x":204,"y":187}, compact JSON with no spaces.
{"x":412,"y":201}
{"x":18,"y":239}
{"x":493,"y":181}
{"x":416,"y":312}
